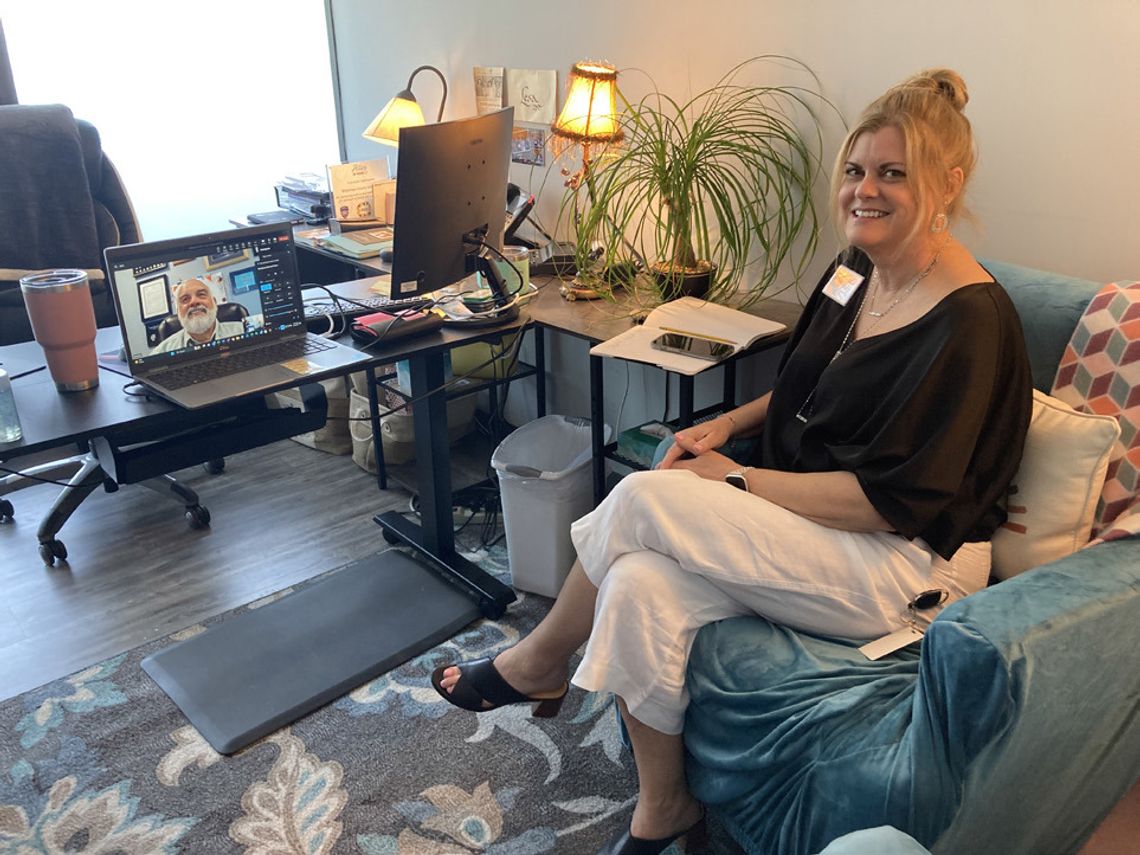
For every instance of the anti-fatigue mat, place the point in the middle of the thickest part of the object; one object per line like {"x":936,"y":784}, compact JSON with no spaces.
{"x":264,"y":668}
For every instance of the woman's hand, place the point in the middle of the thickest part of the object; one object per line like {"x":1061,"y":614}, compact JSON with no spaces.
{"x":711,"y":465}
{"x":697,"y":440}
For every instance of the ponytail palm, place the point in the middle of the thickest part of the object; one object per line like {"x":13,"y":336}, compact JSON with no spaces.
{"x":721,"y":181}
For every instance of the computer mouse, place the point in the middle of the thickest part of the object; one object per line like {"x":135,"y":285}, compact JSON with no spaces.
{"x":386,"y":256}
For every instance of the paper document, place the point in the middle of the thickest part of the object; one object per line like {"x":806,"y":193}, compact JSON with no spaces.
{"x":692,"y":317}
{"x":488,"y":89}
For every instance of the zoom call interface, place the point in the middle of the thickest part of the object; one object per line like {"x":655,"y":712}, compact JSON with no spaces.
{"x":201,"y":296}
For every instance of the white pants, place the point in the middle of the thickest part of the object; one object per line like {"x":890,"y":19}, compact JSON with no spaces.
{"x":670,"y":551}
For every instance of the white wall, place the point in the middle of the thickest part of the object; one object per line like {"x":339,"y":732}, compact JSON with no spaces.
{"x":1052,"y":87}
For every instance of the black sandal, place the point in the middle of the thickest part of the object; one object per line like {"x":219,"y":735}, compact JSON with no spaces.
{"x":626,"y":844}
{"x":480,"y":681}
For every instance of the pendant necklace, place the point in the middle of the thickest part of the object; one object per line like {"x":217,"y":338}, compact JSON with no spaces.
{"x":806,"y":409}
{"x":875,"y":282}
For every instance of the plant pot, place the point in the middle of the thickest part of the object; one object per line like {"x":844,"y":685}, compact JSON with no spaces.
{"x":674,"y":282}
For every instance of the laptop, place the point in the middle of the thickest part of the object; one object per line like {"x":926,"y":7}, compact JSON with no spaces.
{"x":216,"y":316}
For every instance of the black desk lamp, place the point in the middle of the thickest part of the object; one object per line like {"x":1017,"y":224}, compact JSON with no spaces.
{"x":403,"y":111}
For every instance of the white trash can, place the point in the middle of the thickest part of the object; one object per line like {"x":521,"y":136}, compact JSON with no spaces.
{"x":545,"y":484}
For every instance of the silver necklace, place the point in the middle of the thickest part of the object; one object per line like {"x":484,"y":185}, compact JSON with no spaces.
{"x":806,"y":409}
{"x":876,"y":283}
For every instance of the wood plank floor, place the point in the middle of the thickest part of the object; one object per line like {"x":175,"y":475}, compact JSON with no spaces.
{"x":136,"y":571}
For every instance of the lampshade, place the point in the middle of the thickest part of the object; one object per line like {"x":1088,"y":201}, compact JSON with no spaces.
{"x":403,"y":111}
{"x":590,"y":112}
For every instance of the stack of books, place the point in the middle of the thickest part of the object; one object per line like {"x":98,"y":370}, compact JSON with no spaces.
{"x":364,"y":243}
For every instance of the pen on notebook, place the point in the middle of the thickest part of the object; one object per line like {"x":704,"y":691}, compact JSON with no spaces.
{"x":697,"y":335}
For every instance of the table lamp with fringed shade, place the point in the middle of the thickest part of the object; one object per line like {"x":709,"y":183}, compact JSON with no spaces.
{"x":588,"y":117}
{"x":402,"y":111}
{"x":590,"y":112}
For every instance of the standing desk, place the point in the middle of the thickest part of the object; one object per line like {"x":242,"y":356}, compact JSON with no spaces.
{"x":596,"y":321}
{"x":340,"y":631}
{"x":434,"y":538}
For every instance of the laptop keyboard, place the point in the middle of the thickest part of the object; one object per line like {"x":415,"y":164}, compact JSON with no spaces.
{"x":316,"y":309}
{"x":181,"y":376}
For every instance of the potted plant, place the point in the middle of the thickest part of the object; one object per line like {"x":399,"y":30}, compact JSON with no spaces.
{"x":703,"y":191}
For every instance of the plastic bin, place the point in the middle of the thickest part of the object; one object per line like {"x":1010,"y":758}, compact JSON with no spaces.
{"x":545,"y":484}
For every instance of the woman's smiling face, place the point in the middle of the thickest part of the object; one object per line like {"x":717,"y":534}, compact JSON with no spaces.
{"x":879,"y":207}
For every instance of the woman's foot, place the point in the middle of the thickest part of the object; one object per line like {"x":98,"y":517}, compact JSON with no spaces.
{"x":520,"y":671}
{"x":510,"y":679}
{"x":640,"y":838}
{"x":660,"y":820}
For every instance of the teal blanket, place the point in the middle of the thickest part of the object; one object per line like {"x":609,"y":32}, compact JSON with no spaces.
{"x":1015,"y":731}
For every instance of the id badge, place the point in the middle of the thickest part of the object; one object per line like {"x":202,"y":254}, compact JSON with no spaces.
{"x":897,"y":640}
{"x":842,"y":284}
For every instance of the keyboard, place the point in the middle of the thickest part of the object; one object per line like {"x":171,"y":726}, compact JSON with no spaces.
{"x":317,"y":309}
{"x":181,"y":376}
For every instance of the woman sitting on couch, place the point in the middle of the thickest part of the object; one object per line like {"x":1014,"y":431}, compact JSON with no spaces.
{"x":897,"y":420}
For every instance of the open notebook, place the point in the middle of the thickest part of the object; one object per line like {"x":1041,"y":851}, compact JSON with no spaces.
{"x":692,"y":317}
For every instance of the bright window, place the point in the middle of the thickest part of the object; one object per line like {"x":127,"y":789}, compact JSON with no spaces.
{"x":201,"y":106}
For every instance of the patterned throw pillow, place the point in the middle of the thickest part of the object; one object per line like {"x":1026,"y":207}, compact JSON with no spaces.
{"x":1100,"y":373}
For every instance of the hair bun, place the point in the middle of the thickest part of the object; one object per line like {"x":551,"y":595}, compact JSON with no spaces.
{"x":947,"y":82}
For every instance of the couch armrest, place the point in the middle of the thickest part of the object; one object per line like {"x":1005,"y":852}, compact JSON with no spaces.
{"x":1067,"y":635}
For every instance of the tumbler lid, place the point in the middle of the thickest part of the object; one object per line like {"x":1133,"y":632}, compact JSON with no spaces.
{"x":53,"y":280}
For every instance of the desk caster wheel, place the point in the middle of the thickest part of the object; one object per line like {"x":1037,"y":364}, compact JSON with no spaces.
{"x":6,"y":511}
{"x":215,"y":467}
{"x":390,"y":537}
{"x":198,"y":516}
{"x":50,"y":550}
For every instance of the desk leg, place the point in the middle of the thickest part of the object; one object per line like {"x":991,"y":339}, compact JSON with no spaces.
{"x":729,"y":395}
{"x":540,"y":367}
{"x":598,"y":428}
{"x":435,"y":537}
{"x":377,"y":441}
{"x":685,"y":416}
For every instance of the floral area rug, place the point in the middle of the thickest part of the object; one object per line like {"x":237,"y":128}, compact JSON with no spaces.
{"x":104,"y":762}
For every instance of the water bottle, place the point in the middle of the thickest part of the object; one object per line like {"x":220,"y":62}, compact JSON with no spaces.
{"x":9,"y":421}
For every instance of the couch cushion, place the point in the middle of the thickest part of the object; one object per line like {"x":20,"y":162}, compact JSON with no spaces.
{"x":1053,"y":496}
{"x":1049,"y":305}
{"x":1100,"y":373}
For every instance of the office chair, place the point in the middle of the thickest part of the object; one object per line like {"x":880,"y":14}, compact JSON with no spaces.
{"x":63,"y":203}
{"x":168,"y":326}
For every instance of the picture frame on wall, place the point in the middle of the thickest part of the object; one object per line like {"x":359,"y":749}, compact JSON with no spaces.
{"x":225,"y":259}
{"x":154,"y":298}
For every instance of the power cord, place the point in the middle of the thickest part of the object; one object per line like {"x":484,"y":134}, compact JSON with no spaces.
{"x":31,"y":477}
{"x":441,"y":388}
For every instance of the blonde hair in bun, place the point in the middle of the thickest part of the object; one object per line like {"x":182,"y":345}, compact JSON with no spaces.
{"x":927,"y":109}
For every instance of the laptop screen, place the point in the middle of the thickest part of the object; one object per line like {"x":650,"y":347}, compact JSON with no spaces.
{"x":194,"y":295}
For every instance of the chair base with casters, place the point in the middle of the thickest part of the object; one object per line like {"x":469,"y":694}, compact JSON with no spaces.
{"x":91,"y":475}
{"x":50,"y":471}
{"x":146,"y":455}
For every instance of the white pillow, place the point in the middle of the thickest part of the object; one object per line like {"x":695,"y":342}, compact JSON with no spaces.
{"x":1053,"y":495}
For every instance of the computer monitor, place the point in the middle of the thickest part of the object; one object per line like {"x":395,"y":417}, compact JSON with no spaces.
{"x":451,"y":182}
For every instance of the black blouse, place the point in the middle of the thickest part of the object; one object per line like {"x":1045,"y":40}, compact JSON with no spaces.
{"x":931,"y":418}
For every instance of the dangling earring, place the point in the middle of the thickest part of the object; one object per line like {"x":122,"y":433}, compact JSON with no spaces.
{"x":940,"y":221}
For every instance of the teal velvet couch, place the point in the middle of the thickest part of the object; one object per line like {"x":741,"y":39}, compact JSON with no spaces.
{"x":1012,"y":730}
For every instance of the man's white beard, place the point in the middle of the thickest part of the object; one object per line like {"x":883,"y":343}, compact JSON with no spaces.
{"x":199,"y":321}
